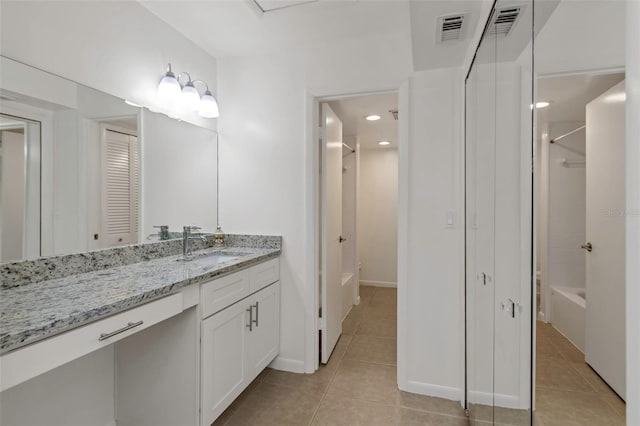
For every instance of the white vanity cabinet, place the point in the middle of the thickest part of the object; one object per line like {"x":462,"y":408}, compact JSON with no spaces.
{"x":238,"y":342}
{"x":178,"y":360}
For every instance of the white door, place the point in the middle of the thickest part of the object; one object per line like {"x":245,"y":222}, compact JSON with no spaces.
{"x":264,"y":337}
{"x":224,"y":351}
{"x":605,"y":312}
{"x":120,"y":188}
{"x":331,"y":229}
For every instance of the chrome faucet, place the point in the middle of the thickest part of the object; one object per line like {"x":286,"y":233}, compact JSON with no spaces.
{"x":187,"y":236}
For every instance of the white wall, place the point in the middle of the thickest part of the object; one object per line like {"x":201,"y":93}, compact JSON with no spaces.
{"x":633,"y":209}
{"x":268,"y":158}
{"x":349,"y":222}
{"x":431,"y":261}
{"x":178,"y":175}
{"x":577,"y":37}
{"x":378,"y":217}
{"x":13,"y":195}
{"x":567,"y":197}
{"x":117,"y":47}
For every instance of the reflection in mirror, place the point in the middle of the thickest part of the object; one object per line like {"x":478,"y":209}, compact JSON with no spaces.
{"x":179,"y":176}
{"x":83,"y":170}
{"x":19,"y":188}
{"x":499,"y":154}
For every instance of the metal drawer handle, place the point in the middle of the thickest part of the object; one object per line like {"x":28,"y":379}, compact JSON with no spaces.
{"x":257,"y":315}
{"x":250,"y":325}
{"x":129,"y":326}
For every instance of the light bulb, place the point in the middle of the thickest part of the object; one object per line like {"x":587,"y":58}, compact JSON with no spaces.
{"x":169,"y":88}
{"x":208,"y":106}
{"x":190,"y":96}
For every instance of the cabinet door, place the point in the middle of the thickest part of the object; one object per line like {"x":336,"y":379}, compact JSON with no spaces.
{"x":224,"y":373}
{"x":264,"y":338}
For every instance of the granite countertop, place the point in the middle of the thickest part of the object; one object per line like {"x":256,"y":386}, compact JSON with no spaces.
{"x":32,"y":312}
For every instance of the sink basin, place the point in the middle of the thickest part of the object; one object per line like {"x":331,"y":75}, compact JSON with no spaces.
{"x":209,"y":259}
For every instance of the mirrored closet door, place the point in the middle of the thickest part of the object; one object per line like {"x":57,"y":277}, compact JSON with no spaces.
{"x":499,"y":274}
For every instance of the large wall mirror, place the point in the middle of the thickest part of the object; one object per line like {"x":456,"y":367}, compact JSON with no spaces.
{"x":82,"y":170}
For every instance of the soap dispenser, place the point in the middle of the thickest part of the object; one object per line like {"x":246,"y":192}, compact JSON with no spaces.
{"x":218,"y":238}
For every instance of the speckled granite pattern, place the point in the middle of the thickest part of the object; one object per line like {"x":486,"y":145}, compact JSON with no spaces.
{"x":49,"y":268}
{"x":257,"y":241}
{"x":32,"y":312}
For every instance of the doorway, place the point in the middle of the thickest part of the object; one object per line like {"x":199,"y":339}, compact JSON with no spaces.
{"x":357,"y":226}
{"x":581,"y":317}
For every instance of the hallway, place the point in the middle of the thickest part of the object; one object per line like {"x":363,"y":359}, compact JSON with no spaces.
{"x":357,"y":386}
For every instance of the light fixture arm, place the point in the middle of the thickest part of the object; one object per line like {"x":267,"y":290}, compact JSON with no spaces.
{"x":206,"y":86}
{"x":188,"y":76}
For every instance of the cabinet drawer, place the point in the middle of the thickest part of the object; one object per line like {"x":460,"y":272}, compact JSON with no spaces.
{"x":264,"y":274}
{"x":23,"y":364}
{"x":222,"y":292}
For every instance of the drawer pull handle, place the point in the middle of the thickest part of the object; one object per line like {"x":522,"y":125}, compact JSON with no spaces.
{"x":129,"y":326}
{"x":257,"y":315}
{"x":250,"y":325}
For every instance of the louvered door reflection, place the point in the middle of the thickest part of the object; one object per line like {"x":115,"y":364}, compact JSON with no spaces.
{"x":120,"y":183}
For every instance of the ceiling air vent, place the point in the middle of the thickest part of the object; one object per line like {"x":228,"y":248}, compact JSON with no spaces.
{"x":504,"y":20}
{"x":450,"y":28}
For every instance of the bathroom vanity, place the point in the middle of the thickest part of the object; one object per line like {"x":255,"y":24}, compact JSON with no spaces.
{"x":158,"y":341}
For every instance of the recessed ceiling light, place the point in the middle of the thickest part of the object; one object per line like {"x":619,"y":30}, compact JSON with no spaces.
{"x":542,"y":104}
{"x":384,"y":143}
{"x":373,"y":117}
{"x":616,"y":97}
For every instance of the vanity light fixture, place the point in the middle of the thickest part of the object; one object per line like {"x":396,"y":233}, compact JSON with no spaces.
{"x":190,"y":96}
{"x":170,"y":90}
{"x":373,"y":117}
{"x":384,"y":143}
{"x":208,"y":106}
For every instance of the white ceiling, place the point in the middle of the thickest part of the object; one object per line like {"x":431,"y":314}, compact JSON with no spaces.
{"x":236,"y":27}
{"x":569,"y":95}
{"x":227,"y":28}
{"x":352,"y":111}
{"x":271,"y":5}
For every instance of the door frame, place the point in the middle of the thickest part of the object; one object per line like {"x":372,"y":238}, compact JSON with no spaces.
{"x":541,"y":207}
{"x":313,"y":215}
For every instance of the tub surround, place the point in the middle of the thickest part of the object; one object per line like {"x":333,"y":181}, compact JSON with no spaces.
{"x":48,"y":296}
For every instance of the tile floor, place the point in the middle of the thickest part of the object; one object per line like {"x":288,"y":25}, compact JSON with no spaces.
{"x":568,"y":391}
{"x":357,"y":386}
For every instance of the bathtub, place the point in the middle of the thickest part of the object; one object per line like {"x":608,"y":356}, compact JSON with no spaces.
{"x":567,"y":313}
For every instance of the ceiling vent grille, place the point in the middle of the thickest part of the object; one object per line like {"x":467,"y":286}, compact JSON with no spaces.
{"x":504,"y":20}
{"x":450,"y":28}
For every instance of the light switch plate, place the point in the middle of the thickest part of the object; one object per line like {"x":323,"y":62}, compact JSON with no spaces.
{"x":450,"y":219}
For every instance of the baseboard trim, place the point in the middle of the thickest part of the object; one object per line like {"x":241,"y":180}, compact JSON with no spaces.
{"x":288,"y":364}
{"x":446,"y":392}
{"x":499,"y":400}
{"x":379,"y":283}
